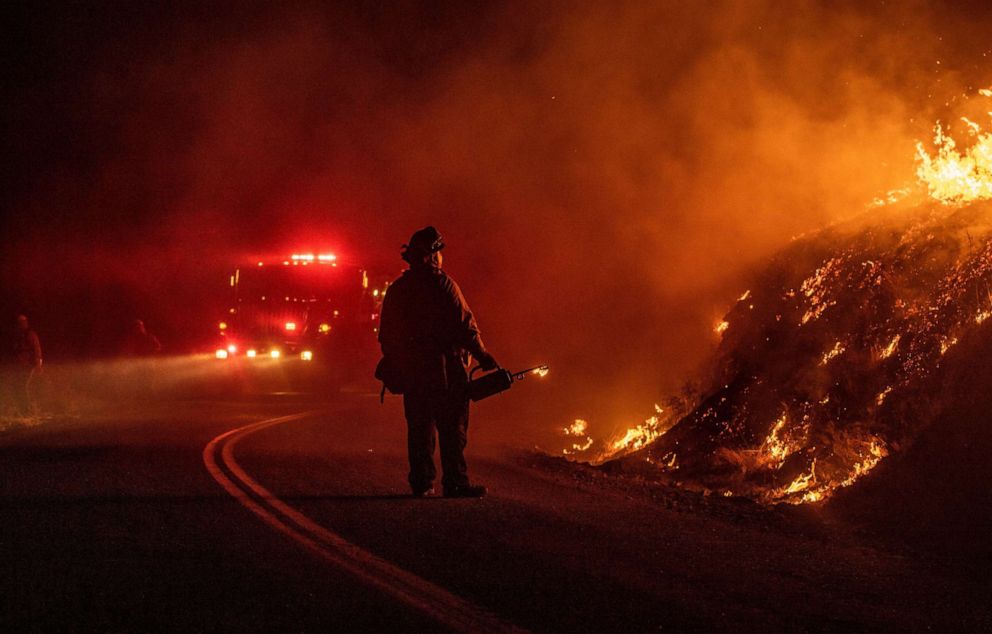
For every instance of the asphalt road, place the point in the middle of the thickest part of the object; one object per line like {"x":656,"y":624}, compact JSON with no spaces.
{"x":190,"y":515}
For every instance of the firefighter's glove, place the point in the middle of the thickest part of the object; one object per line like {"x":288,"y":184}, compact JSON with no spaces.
{"x":487,"y":361}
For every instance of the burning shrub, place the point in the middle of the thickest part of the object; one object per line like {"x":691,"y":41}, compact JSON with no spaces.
{"x":833,"y":358}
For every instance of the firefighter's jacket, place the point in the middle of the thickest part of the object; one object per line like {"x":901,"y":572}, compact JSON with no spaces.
{"x":428,"y":330}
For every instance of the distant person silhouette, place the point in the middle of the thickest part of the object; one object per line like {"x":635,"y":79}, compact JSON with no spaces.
{"x":139,"y":342}
{"x":428,"y":332}
{"x":27,"y":356}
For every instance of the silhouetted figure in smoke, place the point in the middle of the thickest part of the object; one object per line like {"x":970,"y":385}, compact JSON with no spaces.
{"x":428,"y":332}
{"x":139,"y":342}
{"x":27,"y":357}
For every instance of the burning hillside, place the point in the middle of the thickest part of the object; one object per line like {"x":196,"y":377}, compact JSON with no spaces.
{"x":833,"y":358}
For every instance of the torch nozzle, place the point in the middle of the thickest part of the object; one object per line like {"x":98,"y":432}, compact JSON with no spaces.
{"x":541,"y":370}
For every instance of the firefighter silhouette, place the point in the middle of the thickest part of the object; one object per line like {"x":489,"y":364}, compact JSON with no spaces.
{"x":428,"y":333}
{"x":139,"y":342}
{"x":27,"y":358}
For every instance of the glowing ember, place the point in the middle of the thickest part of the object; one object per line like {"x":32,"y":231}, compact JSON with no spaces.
{"x":721,"y":327}
{"x":670,"y":460}
{"x":817,"y":287}
{"x":889,"y":349}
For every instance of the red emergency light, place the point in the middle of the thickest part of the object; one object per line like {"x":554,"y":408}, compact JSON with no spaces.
{"x":310,"y":257}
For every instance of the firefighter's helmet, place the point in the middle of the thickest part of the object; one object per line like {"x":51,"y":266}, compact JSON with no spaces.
{"x":422,"y":243}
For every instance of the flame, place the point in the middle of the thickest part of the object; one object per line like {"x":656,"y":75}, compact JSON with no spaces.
{"x":813,"y":496}
{"x":837,"y":350}
{"x":722,"y":327}
{"x":803,"y":482}
{"x":955,"y":176}
{"x":946,"y":344}
{"x":813,"y":490}
{"x":578,"y":428}
{"x":578,"y":447}
{"x":634,"y":438}
{"x":640,"y":435}
{"x":876,"y":451}
{"x":891,"y":197}
{"x":774,"y":446}
{"x":543,"y":371}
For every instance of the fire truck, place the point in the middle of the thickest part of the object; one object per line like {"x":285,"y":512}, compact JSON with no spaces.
{"x":305,"y":308}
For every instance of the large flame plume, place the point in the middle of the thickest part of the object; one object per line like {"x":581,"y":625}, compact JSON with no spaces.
{"x":954,"y":175}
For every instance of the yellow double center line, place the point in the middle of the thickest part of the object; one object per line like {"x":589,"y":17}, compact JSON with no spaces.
{"x":422,"y":595}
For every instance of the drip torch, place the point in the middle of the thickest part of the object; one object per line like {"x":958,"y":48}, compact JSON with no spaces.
{"x":499,"y":380}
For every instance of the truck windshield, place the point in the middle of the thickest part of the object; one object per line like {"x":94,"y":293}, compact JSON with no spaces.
{"x":299,"y":284}
{"x":295,"y":301}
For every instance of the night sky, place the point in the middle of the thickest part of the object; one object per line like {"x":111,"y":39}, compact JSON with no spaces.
{"x":606,"y":175}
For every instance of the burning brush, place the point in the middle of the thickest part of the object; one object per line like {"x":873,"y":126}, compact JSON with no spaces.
{"x":836,"y":356}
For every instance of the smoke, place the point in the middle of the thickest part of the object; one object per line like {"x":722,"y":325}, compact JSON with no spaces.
{"x":123,"y":385}
{"x":604,"y":175}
